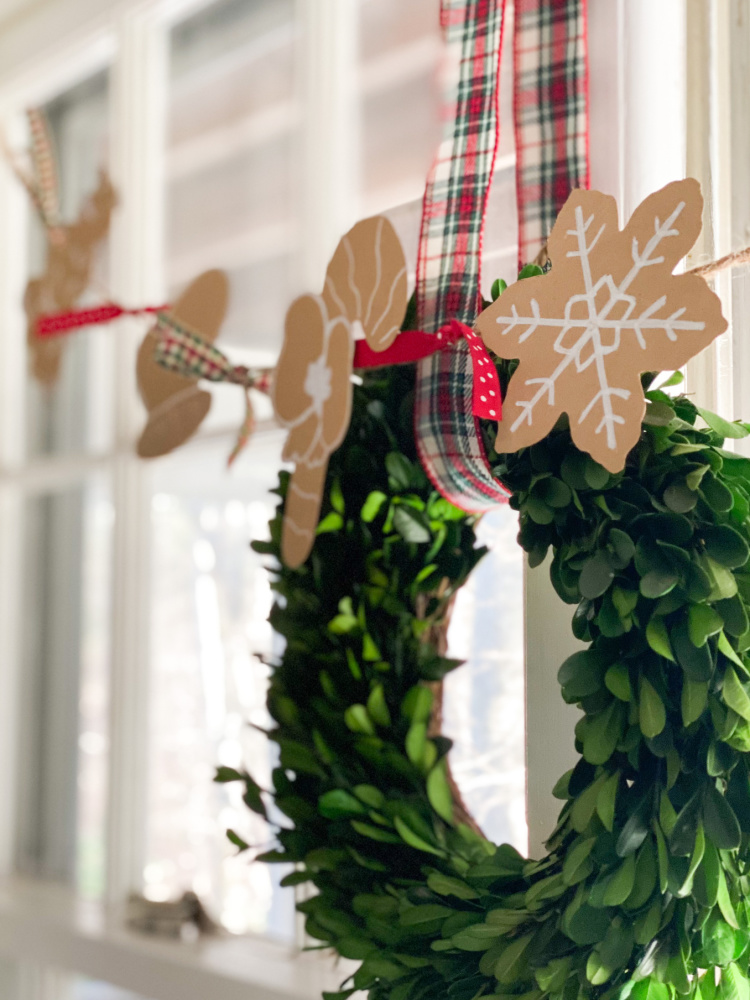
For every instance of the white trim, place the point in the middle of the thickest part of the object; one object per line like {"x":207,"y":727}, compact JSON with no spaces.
{"x":38,"y":919}
{"x":138,"y":109}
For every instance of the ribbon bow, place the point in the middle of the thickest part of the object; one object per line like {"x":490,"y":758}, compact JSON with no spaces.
{"x":184,"y":352}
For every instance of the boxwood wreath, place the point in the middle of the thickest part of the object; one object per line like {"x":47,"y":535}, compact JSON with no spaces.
{"x":644,"y":890}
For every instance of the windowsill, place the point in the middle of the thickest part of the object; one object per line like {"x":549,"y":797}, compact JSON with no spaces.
{"x":46,"y":924}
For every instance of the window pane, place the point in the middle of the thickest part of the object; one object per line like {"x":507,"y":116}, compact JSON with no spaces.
{"x":232,"y":160}
{"x":67,"y":539}
{"x":73,"y":412}
{"x":209,"y":682}
{"x":484,"y":706}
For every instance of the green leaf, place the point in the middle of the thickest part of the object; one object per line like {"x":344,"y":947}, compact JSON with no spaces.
{"x":339,"y":804}
{"x":439,"y":792}
{"x":234,"y":838}
{"x":333,"y":521}
{"x":225,"y":774}
{"x":621,"y":883}
{"x":411,"y":524}
{"x":725,"y":647}
{"x":719,"y":820}
{"x":581,"y":674}
{"x":722,"y":426}
{"x":498,"y":287}
{"x":725,"y":903}
{"x":602,"y":733}
{"x":605,"y":802}
{"x":703,"y":622}
{"x":577,"y":864}
{"x":658,"y":582}
{"x":357,"y":719}
{"x":617,"y":680}
{"x":596,"y":576}
{"x":726,"y":546}
{"x":734,"y":984}
{"x":416,"y":739}
{"x":693,"y":700}
{"x":371,"y":506}
{"x":696,"y":661}
{"x":717,"y":495}
{"x":596,"y":475}
{"x":718,"y":941}
{"x":682,"y":837}
{"x":400,"y":470}
{"x":377,"y":708}
{"x":735,"y":695}
{"x":652,"y":715}
{"x":530,"y":271}
{"x":426,"y":914}
{"x":679,"y":497}
{"x":706,"y":879}
{"x":649,"y":989}
{"x":446,"y":885}
{"x":414,"y":840}
{"x":657,"y":637}
{"x":635,"y":830}
{"x":375,"y":832}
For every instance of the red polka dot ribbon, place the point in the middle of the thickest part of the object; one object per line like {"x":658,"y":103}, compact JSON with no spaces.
{"x":414,"y":345}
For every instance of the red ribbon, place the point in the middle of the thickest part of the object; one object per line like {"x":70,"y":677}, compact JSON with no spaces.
{"x":413,"y":345}
{"x":54,"y":324}
{"x":408,"y":347}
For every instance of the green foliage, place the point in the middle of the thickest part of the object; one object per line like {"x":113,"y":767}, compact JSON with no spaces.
{"x":643,"y":891}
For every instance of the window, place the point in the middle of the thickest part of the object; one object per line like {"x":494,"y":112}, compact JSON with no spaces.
{"x":133,"y":613}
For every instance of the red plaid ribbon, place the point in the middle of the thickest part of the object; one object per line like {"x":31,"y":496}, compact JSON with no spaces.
{"x":551,"y":113}
{"x":448,"y":267}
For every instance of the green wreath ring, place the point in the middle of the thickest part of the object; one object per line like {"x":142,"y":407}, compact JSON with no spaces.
{"x":645,"y":885}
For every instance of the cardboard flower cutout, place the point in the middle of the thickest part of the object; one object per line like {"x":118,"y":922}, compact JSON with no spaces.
{"x":313,"y":398}
{"x":366,"y":281}
{"x":609,"y":309}
{"x":364,"y":295}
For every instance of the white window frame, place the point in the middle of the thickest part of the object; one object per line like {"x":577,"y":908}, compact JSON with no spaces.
{"x":43,"y":53}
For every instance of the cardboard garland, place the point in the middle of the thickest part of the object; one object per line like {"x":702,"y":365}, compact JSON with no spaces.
{"x":364,"y":294}
{"x":609,"y":309}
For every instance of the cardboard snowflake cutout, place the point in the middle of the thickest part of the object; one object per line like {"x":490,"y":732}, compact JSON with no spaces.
{"x":609,"y":309}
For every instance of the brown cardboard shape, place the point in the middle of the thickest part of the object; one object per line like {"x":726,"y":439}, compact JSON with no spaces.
{"x":312,"y":396}
{"x":71,"y":251}
{"x":176,"y":406}
{"x":609,"y":309}
{"x":366,"y":281}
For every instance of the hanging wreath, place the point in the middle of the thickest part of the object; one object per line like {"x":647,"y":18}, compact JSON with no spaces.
{"x":644,"y":889}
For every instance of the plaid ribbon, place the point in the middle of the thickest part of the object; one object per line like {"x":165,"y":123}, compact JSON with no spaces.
{"x":43,"y":184}
{"x":448,"y":437}
{"x":551,"y":113}
{"x":184,"y":352}
{"x":551,"y":123}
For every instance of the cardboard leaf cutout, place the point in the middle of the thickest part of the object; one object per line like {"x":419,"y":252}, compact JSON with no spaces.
{"x":176,"y":406}
{"x":71,"y":251}
{"x":312,"y":396}
{"x":609,"y":309}
{"x":366,"y":281}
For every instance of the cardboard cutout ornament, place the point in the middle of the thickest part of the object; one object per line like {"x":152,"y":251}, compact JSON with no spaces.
{"x":365,"y":283}
{"x":70,"y":248}
{"x":71,"y":251}
{"x":365,"y":293}
{"x":609,"y":309}
{"x":176,"y":406}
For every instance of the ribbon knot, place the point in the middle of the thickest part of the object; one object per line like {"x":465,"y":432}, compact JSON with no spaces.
{"x":181,"y":350}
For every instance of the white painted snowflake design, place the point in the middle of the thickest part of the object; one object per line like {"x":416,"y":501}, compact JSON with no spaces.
{"x":609,"y":309}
